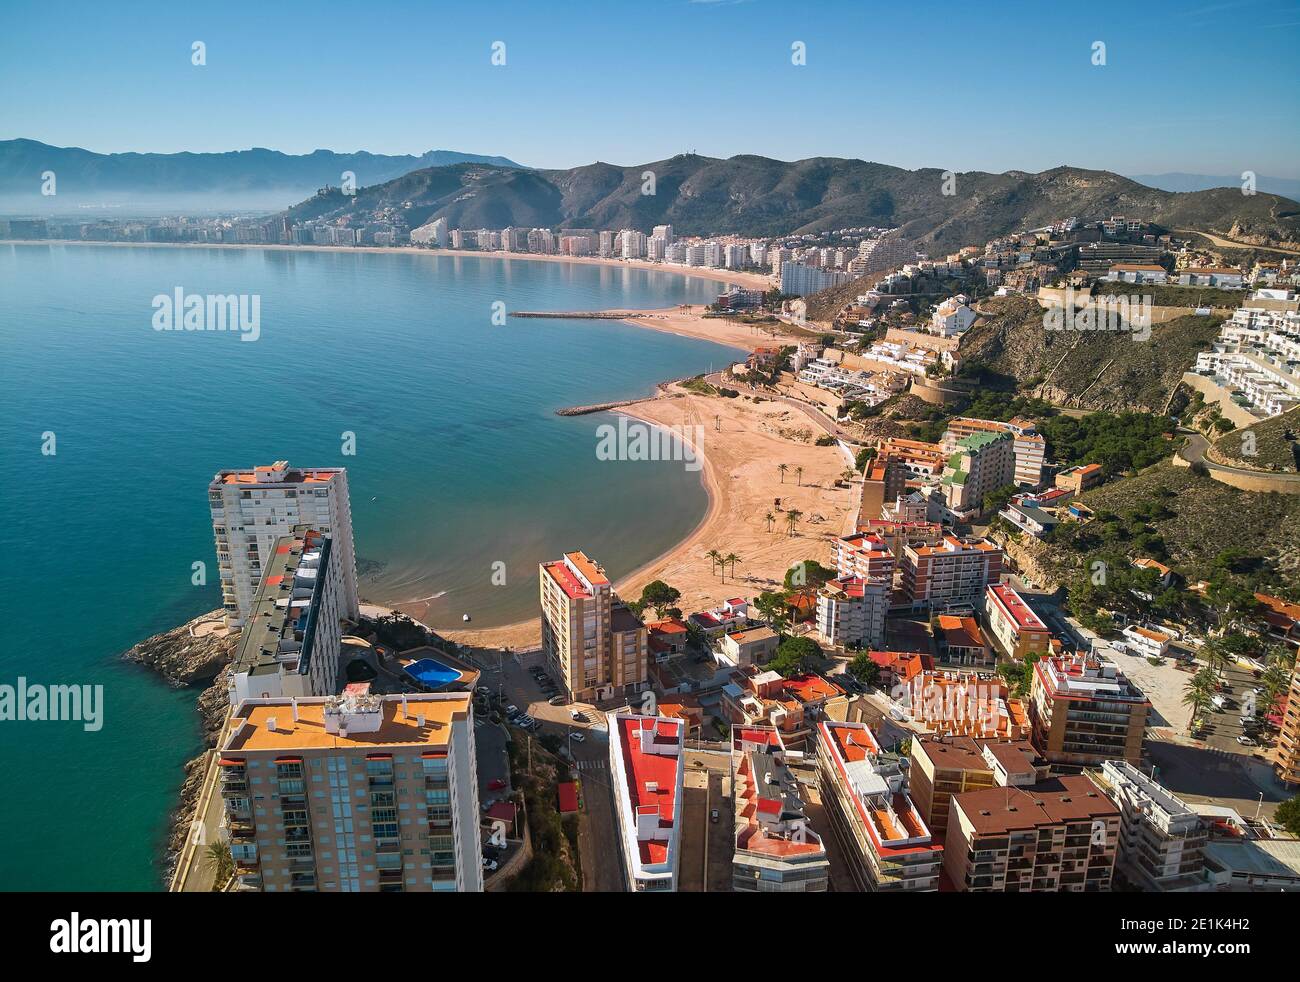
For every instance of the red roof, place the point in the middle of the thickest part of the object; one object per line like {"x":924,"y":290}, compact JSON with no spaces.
{"x":568,"y":793}
{"x":505,"y":810}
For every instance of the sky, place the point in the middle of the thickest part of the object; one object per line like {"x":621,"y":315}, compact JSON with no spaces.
{"x":1202,"y":86}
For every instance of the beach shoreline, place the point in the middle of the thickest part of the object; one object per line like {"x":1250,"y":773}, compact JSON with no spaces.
{"x":752,"y":281}
{"x":740,"y":477}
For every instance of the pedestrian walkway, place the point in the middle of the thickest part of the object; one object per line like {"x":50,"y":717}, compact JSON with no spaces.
{"x":590,"y":765}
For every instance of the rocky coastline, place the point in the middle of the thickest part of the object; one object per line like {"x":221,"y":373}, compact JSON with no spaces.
{"x":196,"y":654}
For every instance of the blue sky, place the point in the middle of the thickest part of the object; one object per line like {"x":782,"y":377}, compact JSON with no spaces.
{"x":1204,"y":86}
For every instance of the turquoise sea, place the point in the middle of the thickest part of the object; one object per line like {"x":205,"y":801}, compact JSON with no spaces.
{"x":460,"y":463}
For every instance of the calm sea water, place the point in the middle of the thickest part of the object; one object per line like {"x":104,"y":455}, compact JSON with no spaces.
{"x":460,"y":463}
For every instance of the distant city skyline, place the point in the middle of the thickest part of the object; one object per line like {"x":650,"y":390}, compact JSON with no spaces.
{"x":959,"y":89}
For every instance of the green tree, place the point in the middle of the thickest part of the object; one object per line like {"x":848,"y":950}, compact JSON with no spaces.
{"x":792,"y":656}
{"x":769,"y":518}
{"x":715,"y":557}
{"x":1288,"y":815}
{"x":218,"y":861}
{"x":1198,"y":692}
{"x":792,"y":519}
{"x":659,"y":596}
{"x":808,"y":573}
{"x":864,"y":669}
{"x":730,"y":558}
{"x":782,"y":468}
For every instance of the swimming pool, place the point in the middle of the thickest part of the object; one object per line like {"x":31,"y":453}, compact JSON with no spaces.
{"x":431,"y":673}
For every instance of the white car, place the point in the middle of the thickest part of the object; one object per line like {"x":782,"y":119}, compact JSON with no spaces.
{"x":490,"y":865}
{"x":577,"y":737}
{"x":1246,"y":741}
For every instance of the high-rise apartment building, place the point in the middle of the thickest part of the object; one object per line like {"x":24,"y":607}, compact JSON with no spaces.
{"x":353,"y":793}
{"x":290,"y":644}
{"x":1058,"y":836}
{"x":945,"y":765}
{"x":979,"y":463}
{"x":646,"y":775}
{"x":884,"y":841}
{"x":1161,"y":839}
{"x":776,"y":851}
{"x":251,"y":509}
{"x":664,"y":232}
{"x":1286,"y":756}
{"x":1029,"y":446}
{"x":592,"y":640}
{"x":1085,"y":711}
{"x":951,"y":574}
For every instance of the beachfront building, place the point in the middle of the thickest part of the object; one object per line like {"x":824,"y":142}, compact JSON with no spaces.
{"x":885,"y":843}
{"x":1161,"y":839}
{"x":355,"y":793}
{"x":1013,"y":623}
{"x":775,"y":849}
{"x":1057,"y":836}
{"x":253,"y":508}
{"x":944,"y":765}
{"x":646,"y":774}
{"x":1085,"y":711}
{"x":950,"y":574}
{"x":596,"y":645}
{"x":291,"y":642}
{"x":960,"y":704}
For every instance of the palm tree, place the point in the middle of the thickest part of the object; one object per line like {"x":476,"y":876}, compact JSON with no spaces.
{"x":769,"y":518}
{"x":218,"y":861}
{"x":782,"y":468}
{"x":1217,"y":656}
{"x":715,"y":557}
{"x":792,"y":519}
{"x":798,"y":471}
{"x":732,"y":558}
{"x":1197,"y":693}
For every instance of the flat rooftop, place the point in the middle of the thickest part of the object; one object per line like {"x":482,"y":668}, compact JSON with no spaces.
{"x":251,"y":730}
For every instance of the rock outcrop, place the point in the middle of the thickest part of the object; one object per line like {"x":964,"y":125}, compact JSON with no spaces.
{"x":192,"y":654}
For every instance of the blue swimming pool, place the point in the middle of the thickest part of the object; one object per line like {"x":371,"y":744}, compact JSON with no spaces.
{"x":431,"y":673}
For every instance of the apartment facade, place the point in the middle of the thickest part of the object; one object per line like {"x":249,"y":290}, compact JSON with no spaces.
{"x":952,"y":573}
{"x":253,"y":508}
{"x":1080,"y":479}
{"x":291,"y":643}
{"x":596,"y":645}
{"x":1029,"y":446}
{"x":1084,"y":711}
{"x":1018,"y":630}
{"x":1058,"y":836}
{"x":1286,"y":755}
{"x":775,"y":849}
{"x":1161,"y":840}
{"x":886,"y":844}
{"x":979,"y":463}
{"x":354,"y":793}
{"x":646,"y":774}
{"x":851,"y":612}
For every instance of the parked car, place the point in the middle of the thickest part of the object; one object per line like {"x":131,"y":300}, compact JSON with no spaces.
{"x":496,"y":785}
{"x":490,"y":865}
{"x":713,"y":816}
{"x":1246,"y":741}
{"x":483,"y":690}
{"x":557,"y":700}
{"x":577,"y":714}
{"x":577,"y":737}
{"x":512,"y":711}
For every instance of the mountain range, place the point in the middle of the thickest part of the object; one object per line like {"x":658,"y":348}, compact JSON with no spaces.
{"x":752,"y":195}
{"x":1288,"y":187}
{"x":239,"y":179}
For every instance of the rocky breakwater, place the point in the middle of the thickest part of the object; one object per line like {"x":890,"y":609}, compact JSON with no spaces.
{"x":197,"y":653}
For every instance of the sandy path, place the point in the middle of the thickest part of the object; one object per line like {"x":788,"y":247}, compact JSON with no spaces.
{"x":740,"y":460}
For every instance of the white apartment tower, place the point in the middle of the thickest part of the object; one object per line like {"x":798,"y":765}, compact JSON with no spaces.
{"x":252,"y":508}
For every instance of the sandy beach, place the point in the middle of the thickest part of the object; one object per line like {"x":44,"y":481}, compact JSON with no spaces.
{"x":742,"y":444}
{"x":689,"y":322}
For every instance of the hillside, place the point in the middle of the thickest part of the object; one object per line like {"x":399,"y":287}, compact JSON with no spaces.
{"x":752,"y":195}
{"x":1276,"y":445}
{"x":1198,"y":519}
{"x":1085,"y":370}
